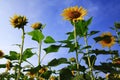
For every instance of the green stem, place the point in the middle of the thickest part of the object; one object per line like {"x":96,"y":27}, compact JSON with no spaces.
{"x":21,"y":52}
{"x":88,"y":57}
{"x":30,"y":63}
{"x":39,"y":52}
{"x":75,"y":40}
{"x":117,"y":35}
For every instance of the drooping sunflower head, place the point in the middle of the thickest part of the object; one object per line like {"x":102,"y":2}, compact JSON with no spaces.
{"x":1,"y":54}
{"x":108,"y":40}
{"x":8,"y":65}
{"x":74,"y":13}
{"x":18,"y":21}
{"x":36,"y":25}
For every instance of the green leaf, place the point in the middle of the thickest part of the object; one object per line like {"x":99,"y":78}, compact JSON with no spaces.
{"x":98,"y":52}
{"x":2,"y":65}
{"x":117,"y":25}
{"x":65,"y":74}
{"x":27,"y":54}
{"x":106,"y":67}
{"x":97,"y":39}
{"x":36,"y":35}
{"x":49,"y":39}
{"x":74,"y":67}
{"x":13,"y":56}
{"x":86,"y":47}
{"x":70,"y":35}
{"x":52,"y":48}
{"x":93,"y":32}
{"x":88,"y":22}
{"x":56,"y":62}
{"x":92,"y":60}
{"x":46,"y":74}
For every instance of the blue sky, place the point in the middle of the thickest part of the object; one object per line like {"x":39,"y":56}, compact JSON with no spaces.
{"x":48,"y":12}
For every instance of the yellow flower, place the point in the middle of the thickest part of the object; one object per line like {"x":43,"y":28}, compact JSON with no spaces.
{"x":42,"y":70}
{"x":108,"y":40}
{"x":74,"y":13}
{"x":8,"y":65}
{"x":18,"y":21}
{"x":52,"y":78}
{"x":36,"y":25}
{"x":40,"y":78}
{"x":31,"y":74}
{"x":1,"y":54}
{"x":73,"y":72}
{"x":113,"y":76}
{"x":116,"y":61}
{"x":72,"y":59}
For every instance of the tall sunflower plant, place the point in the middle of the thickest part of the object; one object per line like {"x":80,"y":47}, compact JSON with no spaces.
{"x":83,"y":63}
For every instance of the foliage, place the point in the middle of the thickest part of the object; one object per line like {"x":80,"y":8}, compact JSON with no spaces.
{"x":80,"y":66}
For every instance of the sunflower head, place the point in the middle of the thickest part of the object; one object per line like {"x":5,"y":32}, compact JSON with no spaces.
{"x":31,"y":74}
{"x":8,"y":65}
{"x":113,"y":76}
{"x":107,"y":40}
{"x":1,"y":54}
{"x":42,"y":70}
{"x":36,"y":25}
{"x":74,"y":13}
{"x":116,"y":61}
{"x":72,"y":59}
{"x":52,"y":78}
{"x":18,"y":21}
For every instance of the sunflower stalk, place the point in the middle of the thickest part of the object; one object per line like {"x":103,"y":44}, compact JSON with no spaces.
{"x":21,"y":53}
{"x":76,"y":51}
{"x":118,"y":36}
{"x":39,"y":52}
{"x":88,"y":58}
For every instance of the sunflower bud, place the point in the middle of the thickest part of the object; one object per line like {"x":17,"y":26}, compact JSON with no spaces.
{"x":1,"y":54}
{"x":117,"y":25}
{"x":72,"y":59}
{"x":36,"y":25}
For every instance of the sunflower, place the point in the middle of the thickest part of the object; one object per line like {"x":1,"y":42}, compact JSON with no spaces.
{"x":1,"y":54}
{"x":31,"y":74}
{"x":116,"y":61}
{"x":107,"y":40}
{"x":8,"y":65}
{"x":18,"y":21}
{"x":42,"y":70}
{"x":74,"y":13}
{"x":52,"y":78}
{"x":36,"y":25}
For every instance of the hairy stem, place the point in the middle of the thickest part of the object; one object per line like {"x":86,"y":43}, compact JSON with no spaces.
{"x":39,"y":52}
{"x":21,"y":52}
{"x":76,"y":51}
{"x":88,"y":58}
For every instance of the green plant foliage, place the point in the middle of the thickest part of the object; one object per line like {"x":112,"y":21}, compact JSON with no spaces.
{"x":47,"y":74}
{"x":27,"y":54}
{"x":49,"y":39}
{"x":52,"y":48}
{"x":92,"y":59}
{"x":56,"y":62}
{"x":13,"y":56}
{"x":36,"y":35}
{"x":65,"y":74}
{"x":2,"y":65}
